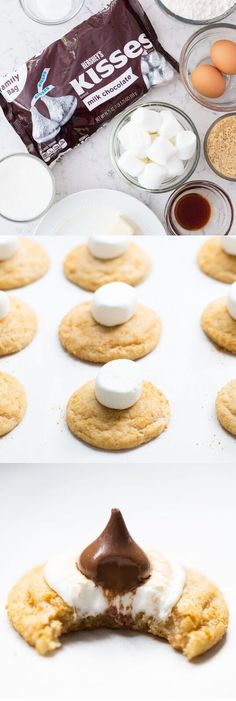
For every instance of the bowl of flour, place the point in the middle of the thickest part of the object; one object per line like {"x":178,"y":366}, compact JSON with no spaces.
{"x":199,"y":11}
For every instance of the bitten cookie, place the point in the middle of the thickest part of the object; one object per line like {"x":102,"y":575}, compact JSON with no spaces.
{"x":28,"y":264}
{"x":88,"y":340}
{"x":17,"y":328}
{"x":112,"y":429}
{"x":215,"y":262}
{"x":12,"y":403}
{"x":219,"y":325}
{"x":226,"y":407}
{"x":197,"y":622}
{"x":88,"y":272}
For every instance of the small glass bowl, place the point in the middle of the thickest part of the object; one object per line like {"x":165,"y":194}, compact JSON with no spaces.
{"x":209,"y":162}
{"x":31,"y":7}
{"x":195,"y":21}
{"x":116,"y":148}
{"x":197,"y":51}
{"x":222,"y":213}
{"x":51,"y":177}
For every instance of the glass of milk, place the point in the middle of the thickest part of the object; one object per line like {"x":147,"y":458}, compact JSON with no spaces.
{"x":51,"y":11}
{"x":27,"y":187}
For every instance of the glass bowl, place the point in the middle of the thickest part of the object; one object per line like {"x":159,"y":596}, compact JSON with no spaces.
{"x":51,"y":182}
{"x":197,"y":51}
{"x":116,"y":148}
{"x":222,"y":213}
{"x":31,"y":9}
{"x":218,"y":172}
{"x":195,"y":21}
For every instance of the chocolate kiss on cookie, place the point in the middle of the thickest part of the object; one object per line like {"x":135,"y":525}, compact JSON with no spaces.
{"x":114,"y":561}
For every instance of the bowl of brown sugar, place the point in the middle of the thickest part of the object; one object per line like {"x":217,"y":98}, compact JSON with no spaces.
{"x":220,"y":146}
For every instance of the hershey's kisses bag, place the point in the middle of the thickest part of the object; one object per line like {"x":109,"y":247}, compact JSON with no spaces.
{"x":59,"y":98}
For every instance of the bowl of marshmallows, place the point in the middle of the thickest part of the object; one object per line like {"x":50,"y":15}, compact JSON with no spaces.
{"x":155,"y":147}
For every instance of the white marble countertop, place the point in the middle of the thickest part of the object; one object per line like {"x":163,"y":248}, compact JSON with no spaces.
{"x":89,"y":165}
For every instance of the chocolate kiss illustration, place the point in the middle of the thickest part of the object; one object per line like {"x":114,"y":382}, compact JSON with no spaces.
{"x":60,"y":109}
{"x":114,"y":561}
{"x":44,"y":129}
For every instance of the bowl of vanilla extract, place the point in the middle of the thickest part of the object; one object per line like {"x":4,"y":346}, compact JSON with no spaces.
{"x":199,"y":207}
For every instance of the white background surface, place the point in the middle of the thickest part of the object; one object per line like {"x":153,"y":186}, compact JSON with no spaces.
{"x":188,"y":512}
{"x":186,"y":366}
{"x":90,"y":165}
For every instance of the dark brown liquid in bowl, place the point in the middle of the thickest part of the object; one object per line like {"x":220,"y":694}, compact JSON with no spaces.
{"x":192,"y":211}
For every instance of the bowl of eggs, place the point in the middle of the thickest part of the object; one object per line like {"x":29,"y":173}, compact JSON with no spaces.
{"x":155,"y":147}
{"x":208,"y":67}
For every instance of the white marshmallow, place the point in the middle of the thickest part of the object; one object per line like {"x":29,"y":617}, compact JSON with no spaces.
{"x":228,"y":243}
{"x":130,"y":164}
{"x":134,"y":139}
{"x":186,"y":142}
{"x":114,"y":304}
{"x":152,"y":176}
{"x":108,"y":246}
{"x":161,"y":150}
{"x":9,"y":245}
{"x":231,"y":301}
{"x":118,"y":384}
{"x":170,"y":126}
{"x":175,"y":167}
{"x":150,"y":120}
{"x":4,"y":305}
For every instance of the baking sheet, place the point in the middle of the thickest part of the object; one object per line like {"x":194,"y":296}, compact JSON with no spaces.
{"x":186,"y":366}
{"x":188,"y":512}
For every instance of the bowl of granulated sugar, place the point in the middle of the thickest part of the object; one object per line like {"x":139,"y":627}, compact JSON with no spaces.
{"x":201,"y":12}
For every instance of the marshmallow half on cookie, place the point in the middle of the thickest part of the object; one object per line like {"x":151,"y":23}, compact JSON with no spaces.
{"x":22,"y":261}
{"x":18,"y":324}
{"x":219,"y":321}
{"x":118,"y":410}
{"x":110,"y":326}
{"x":104,"y":259}
{"x":217,"y":258}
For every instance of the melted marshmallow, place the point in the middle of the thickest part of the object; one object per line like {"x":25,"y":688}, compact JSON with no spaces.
{"x":155,"y":598}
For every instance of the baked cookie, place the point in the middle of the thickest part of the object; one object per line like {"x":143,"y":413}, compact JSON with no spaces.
{"x":197,"y":622}
{"x":12,"y":403}
{"x":112,"y":429}
{"x":17,"y":328}
{"x":226,"y":407}
{"x":28,"y":264}
{"x":215,"y":262}
{"x":86,"y":339}
{"x":88,"y":272}
{"x":218,"y":324}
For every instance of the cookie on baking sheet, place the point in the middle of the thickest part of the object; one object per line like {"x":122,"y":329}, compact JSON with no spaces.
{"x":12,"y":403}
{"x":17,"y":327}
{"x":29,"y":263}
{"x":112,"y":429}
{"x":219,"y":325}
{"x":88,"y":340}
{"x":226,"y":407}
{"x":197,"y":622}
{"x":85,"y":270}
{"x":215,"y":262}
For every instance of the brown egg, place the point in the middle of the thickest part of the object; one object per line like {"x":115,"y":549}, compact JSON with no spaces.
{"x":223,"y":55}
{"x":208,"y":81}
